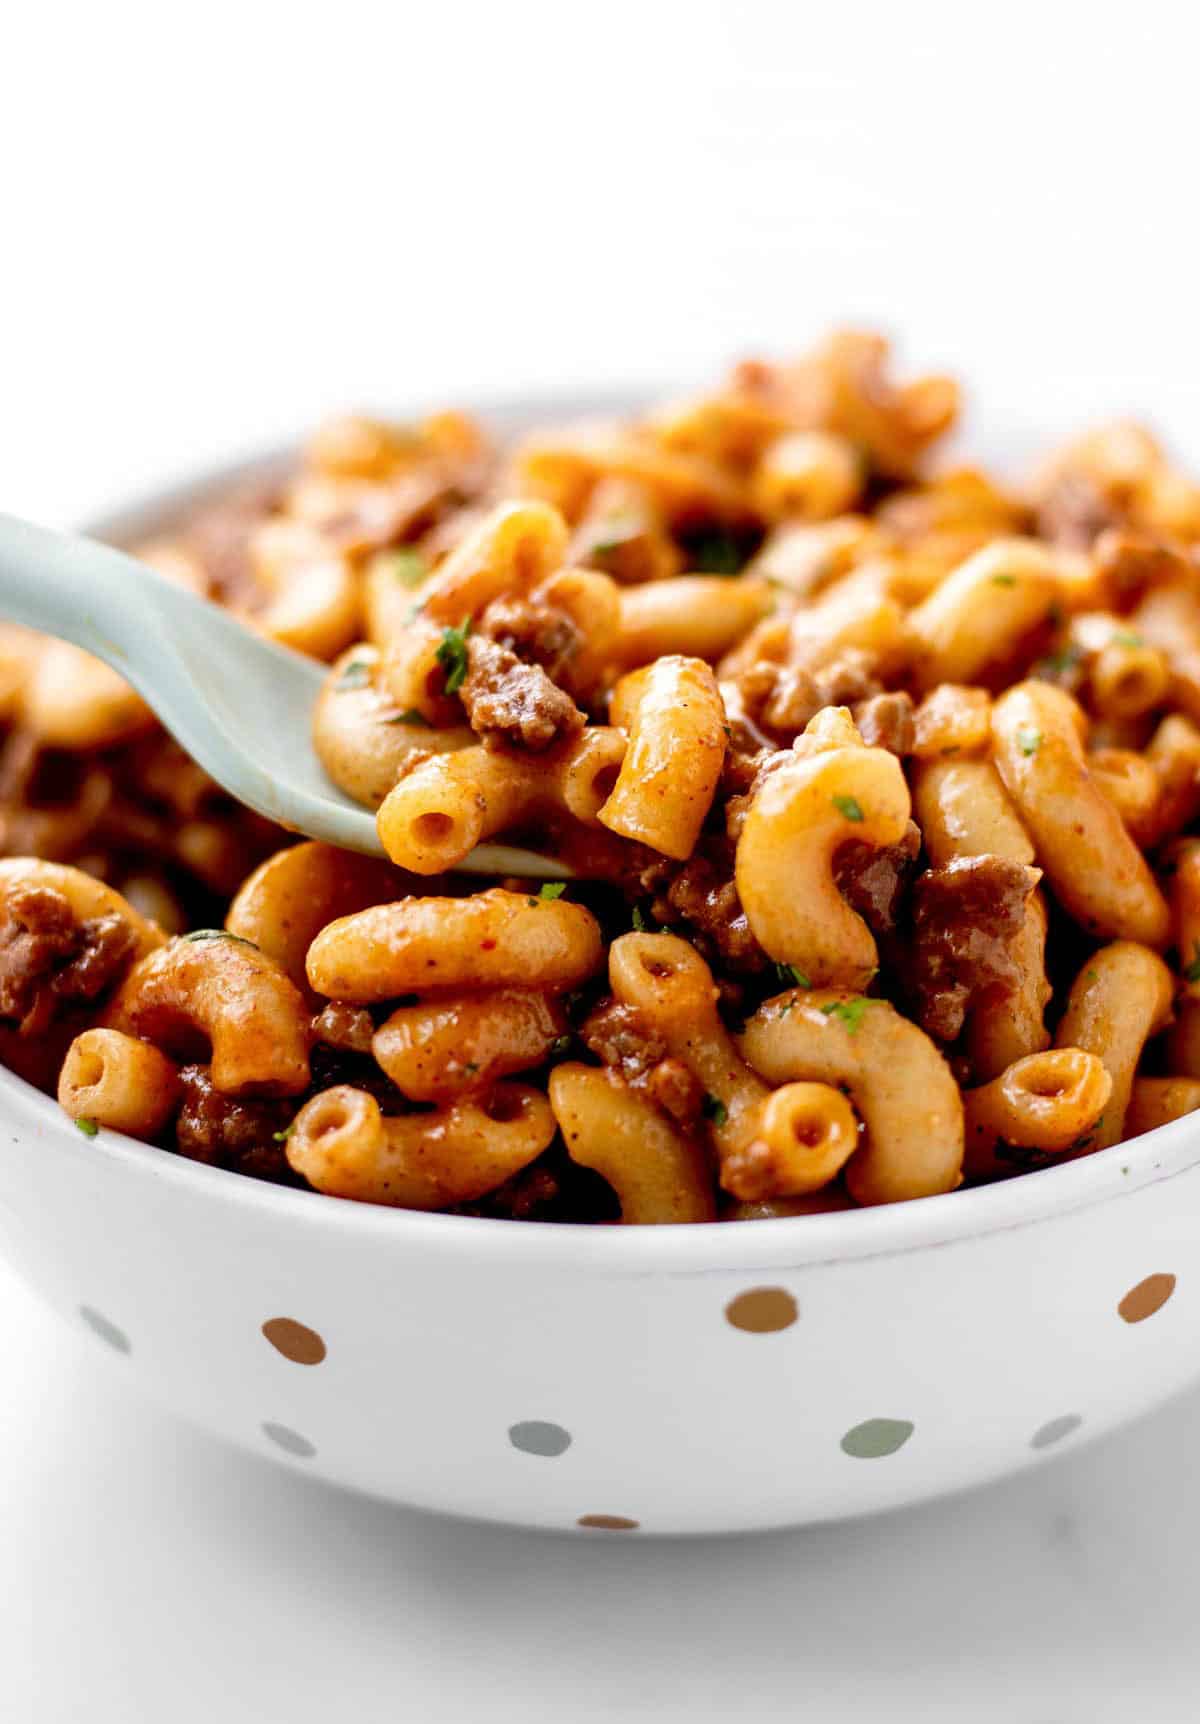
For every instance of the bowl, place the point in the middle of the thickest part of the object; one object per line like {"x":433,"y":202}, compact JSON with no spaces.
{"x":611,"y":1381}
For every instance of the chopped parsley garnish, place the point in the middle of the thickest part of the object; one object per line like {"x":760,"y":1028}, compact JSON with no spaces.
{"x":1127,"y":638}
{"x":1092,"y":976}
{"x":407,"y":566}
{"x":1066,"y":658}
{"x":1028,"y":739}
{"x":1004,"y":580}
{"x":552,"y":889}
{"x":715,"y":1109}
{"x":790,"y":976}
{"x":87,"y":1126}
{"x":282,"y":1136}
{"x":851,"y":1012}
{"x":639,"y":921}
{"x":357,"y":674}
{"x":716,"y":553}
{"x":452,"y":656}
{"x":619,"y":530}
{"x":1192,"y":973}
{"x":560,"y":1045}
{"x":217,"y":934}
{"x":412,"y":716}
{"x":849,"y":806}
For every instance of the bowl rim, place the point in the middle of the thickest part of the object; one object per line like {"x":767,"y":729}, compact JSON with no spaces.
{"x":1027,"y":1199}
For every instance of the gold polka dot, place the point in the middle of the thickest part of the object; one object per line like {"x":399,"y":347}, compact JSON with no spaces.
{"x":762,"y":1310}
{"x":608,"y":1522}
{"x":296,"y":1341}
{"x":1146,"y":1298}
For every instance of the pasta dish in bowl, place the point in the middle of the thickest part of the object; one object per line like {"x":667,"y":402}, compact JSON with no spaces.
{"x":871,"y":781}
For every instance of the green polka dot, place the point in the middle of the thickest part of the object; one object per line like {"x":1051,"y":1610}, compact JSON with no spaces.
{"x":291,"y":1442}
{"x":100,"y":1325}
{"x":1054,"y":1430}
{"x":875,"y":1438}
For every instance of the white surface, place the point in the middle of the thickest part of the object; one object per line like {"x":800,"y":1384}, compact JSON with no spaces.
{"x":219,"y":222}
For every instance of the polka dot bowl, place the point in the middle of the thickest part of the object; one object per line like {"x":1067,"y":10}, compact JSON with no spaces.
{"x":611,"y":1381}
{"x":608,"y":1380}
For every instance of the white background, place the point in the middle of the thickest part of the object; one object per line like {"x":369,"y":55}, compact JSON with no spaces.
{"x":220,"y":221}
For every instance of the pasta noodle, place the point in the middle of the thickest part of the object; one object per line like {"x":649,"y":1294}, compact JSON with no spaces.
{"x":872,"y":789}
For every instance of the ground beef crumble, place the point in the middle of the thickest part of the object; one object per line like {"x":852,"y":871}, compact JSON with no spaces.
{"x":886,"y":721}
{"x":508,"y":701}
{"x":48,"y":960}
{"x":616,"y":1034}
{"x":225,"y":1131}
{"x":1075,"y":511}
{"x":785,"y":698}
{"x":349,"y":1028}
{"x":965,"y":916}
{"x":703,"y":894}
{"x":875,"y":882}
{"x":536,"y":633}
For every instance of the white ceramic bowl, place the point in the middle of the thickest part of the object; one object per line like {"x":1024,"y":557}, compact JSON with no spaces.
{"x":656,"y":1380}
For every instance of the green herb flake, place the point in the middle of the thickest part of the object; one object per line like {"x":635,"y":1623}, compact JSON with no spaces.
{"x":716,"y":553}
{"x":198,"y":934}
{"x":639,"y":921}
{"x":407,"y":566}
{"x":87,"y":1126}
{"x":452,"y":656}
{"x":553,"y":889}
{"x":849,"y":807}
{"x":1029,"y":740}
{"x":357,"y":674}
{"x":1065,"y":659}
{"x":1127,"y":638}
{"x":790,"y":976}
{"x":1192,"y":972}
{"x":470,"y":1068}
{"x":1092,"y":976}
{"x":851,"y":1012}
{"x":559,"y":1046}
{"x":412,"y":716}
{"x":1004,"y":580}
{"x":715,"y":1109}
{"x":282,"y":1136}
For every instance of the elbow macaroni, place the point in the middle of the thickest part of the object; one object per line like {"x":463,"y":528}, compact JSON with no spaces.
{"x":826,"y":745}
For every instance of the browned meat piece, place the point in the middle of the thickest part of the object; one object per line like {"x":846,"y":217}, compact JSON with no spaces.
{"x":223,"y":1131}
{"x":1128,"y":563}
{"x":875,"y":882}
{"x":1074,"y":511}
{"x":48,"y":960}
{"x":784,"y":698}
{"x":616,"y":1035}
{"x":964,"y":918}
{"x":847,"y":679}
{"x":350,"y":1028}
{"x":886,"y":721}
{"x":510,"y":702}
{"x":753,"y":771}
{"x":536,"y":633}
{"x":704,"y":894}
